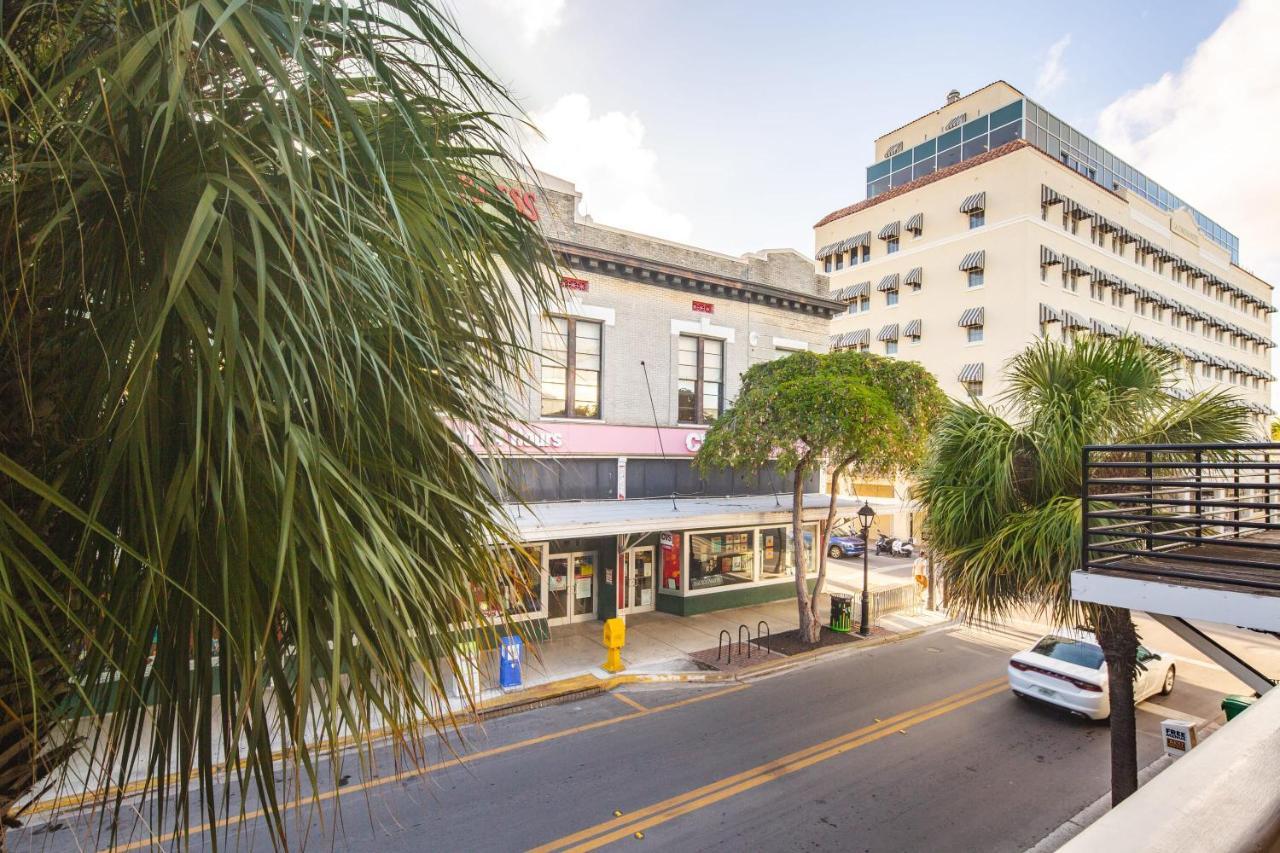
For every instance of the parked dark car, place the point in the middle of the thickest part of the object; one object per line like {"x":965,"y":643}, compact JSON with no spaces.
{"x":844,"y":543}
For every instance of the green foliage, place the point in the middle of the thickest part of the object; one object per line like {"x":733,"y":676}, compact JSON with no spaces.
{"x":866,"y":411}
{"x":1001,"y":486}
{"x":256,"y":271}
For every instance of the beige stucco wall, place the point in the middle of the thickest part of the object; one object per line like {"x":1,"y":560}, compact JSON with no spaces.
{"x":1013,"y":290}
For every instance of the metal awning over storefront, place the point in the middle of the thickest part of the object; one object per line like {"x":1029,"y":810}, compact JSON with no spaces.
{"x":582,"y":519}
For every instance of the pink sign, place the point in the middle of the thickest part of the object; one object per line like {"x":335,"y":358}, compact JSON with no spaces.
{"x":588,"y":439}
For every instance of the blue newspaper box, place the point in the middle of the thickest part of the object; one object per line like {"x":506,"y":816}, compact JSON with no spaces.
{"x":510,"y":657}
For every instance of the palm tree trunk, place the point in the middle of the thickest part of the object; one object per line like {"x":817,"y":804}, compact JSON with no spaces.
{"x":1119,"y":641}
{"x":810,"y":628}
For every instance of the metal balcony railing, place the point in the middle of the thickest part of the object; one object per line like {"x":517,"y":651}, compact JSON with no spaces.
{"x":1207,"y":513}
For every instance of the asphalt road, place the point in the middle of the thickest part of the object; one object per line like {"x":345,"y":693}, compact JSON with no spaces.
{"x":912,"y":746}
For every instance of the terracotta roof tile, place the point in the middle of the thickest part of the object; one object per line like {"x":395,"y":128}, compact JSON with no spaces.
{"x":1007,"y":148}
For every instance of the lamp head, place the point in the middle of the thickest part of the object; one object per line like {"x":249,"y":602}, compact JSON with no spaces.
{"x":866,"y":514}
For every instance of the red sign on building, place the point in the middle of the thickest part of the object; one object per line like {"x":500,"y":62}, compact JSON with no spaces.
{"x":703,"y":307}
{"x":574,"y":283}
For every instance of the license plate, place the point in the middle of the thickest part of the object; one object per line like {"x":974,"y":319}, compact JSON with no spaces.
{"x":1045,"y":691}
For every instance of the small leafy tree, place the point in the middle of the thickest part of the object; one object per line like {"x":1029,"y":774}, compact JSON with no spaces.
{"x":853,"y":411}
{"x":1001,"y":490}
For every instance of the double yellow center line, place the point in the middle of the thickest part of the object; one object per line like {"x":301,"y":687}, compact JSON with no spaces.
{"x":610,"y":831}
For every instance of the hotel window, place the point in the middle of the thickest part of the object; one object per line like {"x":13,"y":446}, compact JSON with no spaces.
{"x":1095,"y":290}
{"x":853,"y":257}
{"x":701,"y":379}
{"x":866,"y":253}
{"x":977,"y":219}
{"x":891,"y":297}
{"x":973,"y":388}
{"x":840,"y":261}
{"x":1140,"y":306}
{"x":1117,"y":297}
{"x":860,"y":304}
{"x":976,"y":278}
{"x":890,"y":347}
{"x":974,"y":334}
{"x":891,"y":245}
{"x":571,"y":368}
{"x":826,"y":264}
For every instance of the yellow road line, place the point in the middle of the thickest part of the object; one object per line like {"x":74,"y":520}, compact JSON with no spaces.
{"x":657,"y":813}
{"x":624,"y":698}
{"x":431,"y":768}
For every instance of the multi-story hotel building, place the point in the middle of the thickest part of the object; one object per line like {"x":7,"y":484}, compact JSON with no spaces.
{"x":990,"y":222}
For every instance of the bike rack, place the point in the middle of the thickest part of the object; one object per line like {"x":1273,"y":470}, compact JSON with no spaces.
{"x":724,"y":635}
{"x":765,"y":632}
{"x":742,"y":628}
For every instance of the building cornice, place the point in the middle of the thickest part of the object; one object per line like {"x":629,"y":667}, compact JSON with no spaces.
{"x":673,"y":277}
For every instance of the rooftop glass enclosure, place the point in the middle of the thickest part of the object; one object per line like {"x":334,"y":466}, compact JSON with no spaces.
{"x":1025,"y":119}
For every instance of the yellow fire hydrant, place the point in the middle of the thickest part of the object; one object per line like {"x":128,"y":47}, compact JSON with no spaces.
{"x":615,"y":634}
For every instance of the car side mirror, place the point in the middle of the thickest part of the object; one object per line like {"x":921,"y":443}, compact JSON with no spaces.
{"x":1155,"y":656}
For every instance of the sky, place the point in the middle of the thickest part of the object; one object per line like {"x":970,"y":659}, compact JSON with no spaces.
{"x":735,"y":125}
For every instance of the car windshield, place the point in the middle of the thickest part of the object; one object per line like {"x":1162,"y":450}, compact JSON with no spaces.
{"x":1070,"y":651}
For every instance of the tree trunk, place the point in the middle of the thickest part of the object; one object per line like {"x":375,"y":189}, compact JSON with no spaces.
{"x":824,"y":537}
{"x":1119,"y":641}
{"x":933,"y":579}
{"x":810,"y":627}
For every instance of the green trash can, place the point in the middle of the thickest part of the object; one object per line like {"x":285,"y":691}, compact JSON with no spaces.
{"x":841,"y":612}
{"x":1233,"y":705}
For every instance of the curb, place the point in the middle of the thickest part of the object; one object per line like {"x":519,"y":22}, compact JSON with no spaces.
{"x":550,"y":693}
{"x":1081,"y":820}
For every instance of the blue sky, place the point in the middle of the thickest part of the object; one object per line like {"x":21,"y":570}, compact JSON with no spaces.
{"x":736,"y":125}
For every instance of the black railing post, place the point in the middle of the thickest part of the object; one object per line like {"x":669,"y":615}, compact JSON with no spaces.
{"x":1235,"y":513}
{"x":1151,"y":495}
{"x":1084,"y":509}
{"x":1199,"y":502}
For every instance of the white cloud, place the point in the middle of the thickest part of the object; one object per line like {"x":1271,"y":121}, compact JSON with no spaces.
{"x":1207,"y":131}
{"x":534,"y":17}
{"x":1053,"y":73}
{"x":605,"y":156}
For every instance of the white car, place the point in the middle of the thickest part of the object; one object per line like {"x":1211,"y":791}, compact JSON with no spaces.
{"x":1067,"y":669}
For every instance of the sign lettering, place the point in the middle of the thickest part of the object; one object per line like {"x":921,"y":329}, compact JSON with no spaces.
{"x":575,"y":283}
{"x":703,"y":307}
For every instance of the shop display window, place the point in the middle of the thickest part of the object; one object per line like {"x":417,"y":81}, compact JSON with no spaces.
{"x":719,"y":559}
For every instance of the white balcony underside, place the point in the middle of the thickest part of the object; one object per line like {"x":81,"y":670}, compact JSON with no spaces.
{"x":1241,"y":607}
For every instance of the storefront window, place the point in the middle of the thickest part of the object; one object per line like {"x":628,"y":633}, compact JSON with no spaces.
{"x":810,"y":553}
{"x":774,"y":553}
{"x":520,"y":588}
{"x":719,"y":559}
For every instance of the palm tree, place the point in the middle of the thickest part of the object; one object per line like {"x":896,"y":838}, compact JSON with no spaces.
{"x":1001,"y":489}
{"x":258,"y":268}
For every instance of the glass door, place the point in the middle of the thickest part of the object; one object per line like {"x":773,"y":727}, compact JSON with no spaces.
{"x":640,"y":577}
{"x":584,"y":586}
{"x":558,"y":589}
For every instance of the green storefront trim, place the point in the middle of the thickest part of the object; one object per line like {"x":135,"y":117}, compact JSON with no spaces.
{"x":741,"y":596}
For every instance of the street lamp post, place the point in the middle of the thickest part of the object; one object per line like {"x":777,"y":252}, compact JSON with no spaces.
{"x":865,"y":516}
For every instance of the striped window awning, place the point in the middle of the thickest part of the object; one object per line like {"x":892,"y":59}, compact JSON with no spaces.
{"x":1101,"y":327}
{"x":827,"y":251}
{"x":1079,"y":211}
{"x":1098,"y":275}
{"x":857,"y":337}
{"x":1126,"y":236}
{"x":895,"y":148}
{"x":1049,"y":196}
{"x":914,"y":277}
{"x":974,"y":261}
{"x":1048,"y":257}
{"x":972,"y":317}
{"x":971,"y":372}
{"x":863,"y":239}
{"x":1140,"y":293}
{"x":956,"y":121}
{"x":889,"y":282}
{"x":1106,"y":226}
{"x":1072,"y":320}
{"x":915,"y":223}
{"x":1072,"y":267}
{"x":852,"y":291}
{"x":912,"y":329}
{"x":888,"y":333}
{"x":1049,"y":314}
{"x":890,"y":231}
{"x":974,"y":203}
{"x":1179,"y":394}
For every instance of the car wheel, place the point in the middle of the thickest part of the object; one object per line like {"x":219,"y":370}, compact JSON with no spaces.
{"x":1169,"y":678}
{"x":834,"y":551}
